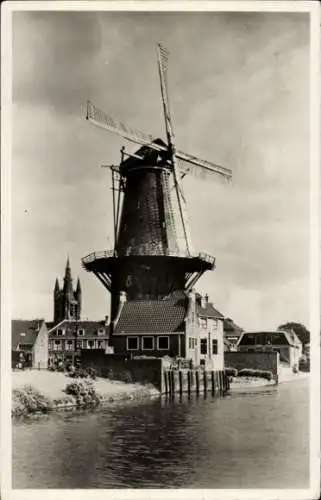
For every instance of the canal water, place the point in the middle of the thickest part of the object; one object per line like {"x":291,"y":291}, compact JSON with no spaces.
{"x":257,"y":439}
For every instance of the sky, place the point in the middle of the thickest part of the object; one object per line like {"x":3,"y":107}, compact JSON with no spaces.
{"x":239,"y":94}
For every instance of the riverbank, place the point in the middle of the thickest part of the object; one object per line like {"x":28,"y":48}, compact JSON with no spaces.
{"x":240,"y":383}
{"x":49,"y":389}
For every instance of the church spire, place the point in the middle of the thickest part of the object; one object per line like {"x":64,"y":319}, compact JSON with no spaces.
{"x":57,"y":287}
{"x":68,"y":270}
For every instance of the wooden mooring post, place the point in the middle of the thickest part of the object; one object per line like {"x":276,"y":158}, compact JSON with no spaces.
{"x":213,"y":381}
{"x":197,"y":375}
{"x":189,"y":381}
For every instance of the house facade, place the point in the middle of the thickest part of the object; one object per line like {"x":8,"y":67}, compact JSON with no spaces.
{"x":29,"y":343}
{"x":69,"y":337}
{"x":286,"y":343}
{"x":182,"y":325}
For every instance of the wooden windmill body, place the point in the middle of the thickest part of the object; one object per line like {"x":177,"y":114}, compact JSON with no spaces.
{"x":152,"y":255}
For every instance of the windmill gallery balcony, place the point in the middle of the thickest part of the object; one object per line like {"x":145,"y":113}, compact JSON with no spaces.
{"x":177,"y":270}
{"x":106,"y":254}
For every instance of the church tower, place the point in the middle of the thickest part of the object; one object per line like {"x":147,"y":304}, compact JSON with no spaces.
{"x":67,"y":301}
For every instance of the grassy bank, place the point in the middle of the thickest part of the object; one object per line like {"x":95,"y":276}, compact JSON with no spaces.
{"x":43,"y":391}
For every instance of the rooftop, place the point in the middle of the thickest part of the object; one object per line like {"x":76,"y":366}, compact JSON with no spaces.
{"x":208,"y":311}
{"x":24,"y":331}
{"x":153,"y":316}
{"x":70,"y":326}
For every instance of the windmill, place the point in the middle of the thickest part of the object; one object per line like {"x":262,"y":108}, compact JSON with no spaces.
{"x":152,"y":255}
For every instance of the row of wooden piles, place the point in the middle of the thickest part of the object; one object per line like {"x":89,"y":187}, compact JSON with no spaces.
{"x":198,"y":381}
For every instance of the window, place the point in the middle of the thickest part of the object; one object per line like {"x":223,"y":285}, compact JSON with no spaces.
{"x":163,"y":343}
{"x":203,"y":322}
{"x":25,"y":347}
{"x":203,"y":346}
{"x":132,"y":343}
{"x":192,"y":343}
{"x":101,"y":331}
{"x":57,"y":345}
{"x":214,"y":346}
{"x":215,"y":324}
{"x":60,"y":332}
{"x":90,"y":344}
{"x":69,"y":345}
{"x":101,"y":344}
{"x":81,"y":332}
{"x":148,"y":343}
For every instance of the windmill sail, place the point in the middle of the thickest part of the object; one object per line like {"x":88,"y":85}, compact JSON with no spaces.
{"x":162,"y":66}
{"x":102,"y":120}
{"x":188,"y":164}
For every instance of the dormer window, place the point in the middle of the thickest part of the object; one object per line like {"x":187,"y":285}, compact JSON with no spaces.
{"x":60,"y":332}
{"x":101,"y":331}
{"x":81,"y":332}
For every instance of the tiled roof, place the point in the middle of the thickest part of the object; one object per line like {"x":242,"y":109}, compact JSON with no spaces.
{"x":152,"y":316}
{"x":230,"y":328}
{"x":29,"y":328}
{"x":208,"y":311}
{"x":279,"y":337}
{"x":90,"y":327}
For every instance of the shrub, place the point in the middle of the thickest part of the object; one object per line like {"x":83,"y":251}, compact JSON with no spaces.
{"x":29,"y":400}
{"x":250,"y":372}
{"x":231,"y":372}
{"x":92,"y":373}
{"x":304,"y":364}
{"x":84,"y":393}
{"x":83,"y":373}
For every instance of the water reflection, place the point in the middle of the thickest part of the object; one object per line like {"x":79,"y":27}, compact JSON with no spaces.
{"x":249,"y":440}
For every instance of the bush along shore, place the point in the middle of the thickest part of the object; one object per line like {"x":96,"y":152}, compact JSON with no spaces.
{"x":247,"y":377}
{"x":249,"y":373}
{"x":78,"y":393}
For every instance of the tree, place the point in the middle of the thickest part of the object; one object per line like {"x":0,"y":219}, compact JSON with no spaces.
{"x":301,"y":331}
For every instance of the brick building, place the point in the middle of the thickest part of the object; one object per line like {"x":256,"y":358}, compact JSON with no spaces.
{"x":29,"y":343}
{"x":181,"y":325}
{"x":285,"y":342}
{"x":68,"y":337}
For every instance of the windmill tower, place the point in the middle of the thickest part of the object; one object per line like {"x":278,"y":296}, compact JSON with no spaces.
{"x":152,"y":255}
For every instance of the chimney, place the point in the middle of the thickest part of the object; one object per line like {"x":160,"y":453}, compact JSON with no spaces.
{"x":106,"y":320}
{"x":206,"y":299}
{"x":204,"y":302}
{"x":122,"y":297}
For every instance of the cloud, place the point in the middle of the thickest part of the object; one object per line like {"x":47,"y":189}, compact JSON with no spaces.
{"x":239,"y":92}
